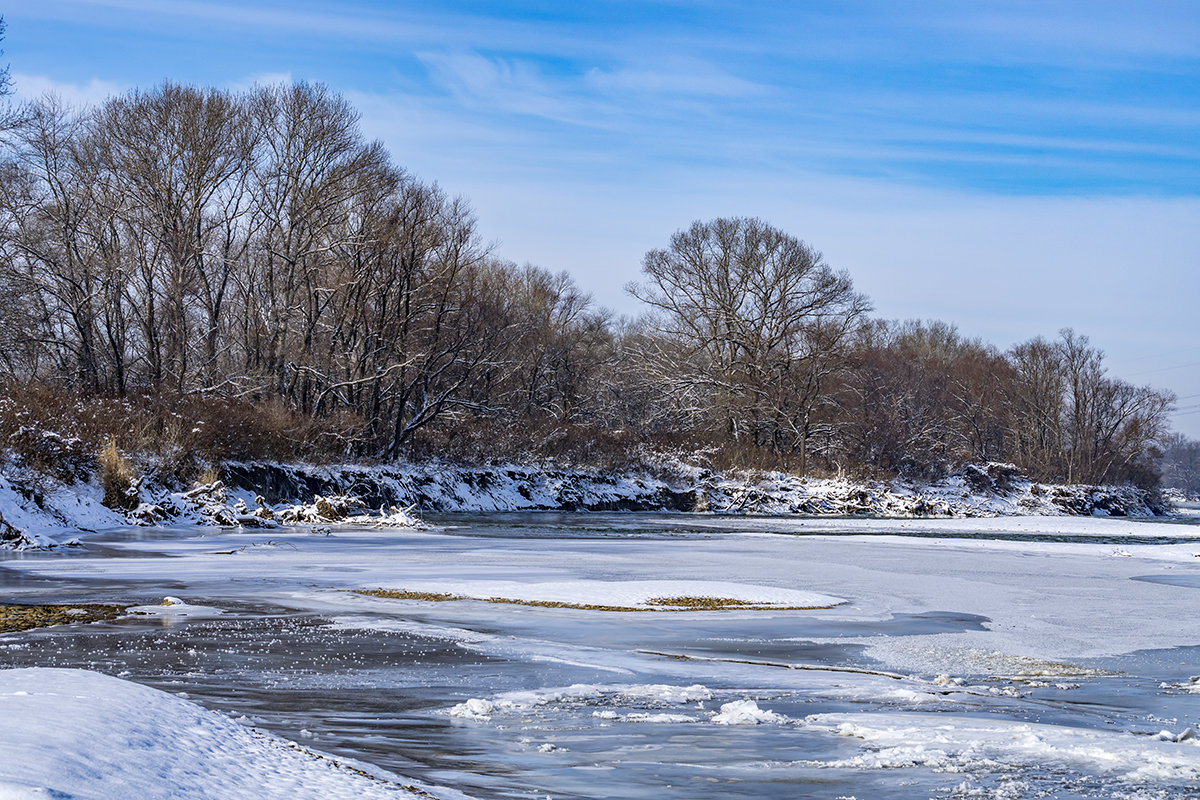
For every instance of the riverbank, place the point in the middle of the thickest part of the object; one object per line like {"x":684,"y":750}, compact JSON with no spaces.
{"x":41,"y":511}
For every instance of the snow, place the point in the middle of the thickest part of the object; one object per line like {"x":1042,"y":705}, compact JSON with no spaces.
{"x":446,"y":487}
{"x":173,"y":608}
{"x":88,"y":736}
{"x":1043,"y":603}
{"x":954,"y":742}
{"x":1190,"y":686}
{"x":621,"y":594}
{"x":968,"y":652}
{"x":510,"y":487}
{"x":46,"y":515}
{"x":37,"y":511}
{"x":745,"y":712}
{"x":50,"y":515}
{"x":474,"y":708}
{"x":653,"y":695}
{"x":650,"y":697}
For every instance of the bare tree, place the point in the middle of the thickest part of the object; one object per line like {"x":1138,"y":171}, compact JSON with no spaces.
{"x":171,"y":162}
{"x":764,"y":321}
{"x":184,"y":243}
{"x":52,"y":250}
{"x":1180,"y":463}
{"x":6,"y":84}
{"x":309,"y":167}
{"x":1075,"y":423}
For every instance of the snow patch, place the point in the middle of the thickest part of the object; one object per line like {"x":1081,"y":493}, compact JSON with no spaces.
{"x":1190,"y":686}
{"x":173,"y":607}
{"x":624,"y":594}
{"x":43,"y":513}
{"x":312,"y":495}
{"x":80,"y":734}
{"x":475,"y":708}
{"x":745,"y":712}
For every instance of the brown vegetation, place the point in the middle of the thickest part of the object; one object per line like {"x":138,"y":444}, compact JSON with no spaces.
{"x":654,"y":604}
{"x":117,"y":478}
{"x":23,"y":618}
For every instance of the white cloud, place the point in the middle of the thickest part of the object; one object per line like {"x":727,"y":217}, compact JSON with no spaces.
{"x":32,"y":87}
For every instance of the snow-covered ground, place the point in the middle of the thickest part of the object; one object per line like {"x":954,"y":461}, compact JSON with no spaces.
{"x":41,"y":513}
{"x":1047,"y":590}
{"x":86,"y":736}
{"x":644,"y":595}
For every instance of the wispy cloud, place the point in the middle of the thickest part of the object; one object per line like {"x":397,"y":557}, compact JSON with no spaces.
{"x":91,"y":92}
{"x":1070,"y":31}
{"x":693,"y":77}
{"x":393,"y":24}
{"x":503,"y":85}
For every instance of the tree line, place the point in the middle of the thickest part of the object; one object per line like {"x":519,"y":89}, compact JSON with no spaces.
{"x":255,"y":247}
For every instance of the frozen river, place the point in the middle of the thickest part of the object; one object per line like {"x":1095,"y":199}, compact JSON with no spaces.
{"x":1006,"y":658}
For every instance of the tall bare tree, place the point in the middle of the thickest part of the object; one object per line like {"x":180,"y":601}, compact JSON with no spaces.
{"x":764,"y":320}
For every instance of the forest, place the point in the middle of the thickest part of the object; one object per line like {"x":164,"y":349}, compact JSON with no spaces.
{"x":238,"y":275}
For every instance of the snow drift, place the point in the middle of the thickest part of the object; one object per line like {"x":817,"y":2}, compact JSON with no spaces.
{"x":87,"y":736}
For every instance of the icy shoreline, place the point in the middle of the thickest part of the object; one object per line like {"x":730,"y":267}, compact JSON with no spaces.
{"x":38,"y":512}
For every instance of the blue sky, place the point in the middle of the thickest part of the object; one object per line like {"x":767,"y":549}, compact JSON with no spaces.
{"x":1012,"y":167}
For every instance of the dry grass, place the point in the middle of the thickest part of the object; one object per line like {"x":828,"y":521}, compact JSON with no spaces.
{"x":23,"y":618}
{"x":705,"y":603}
{"x":429,"y":597}
{"x":117,"y":478}
{"x":656,"y":604}
{"x":207,"y":477}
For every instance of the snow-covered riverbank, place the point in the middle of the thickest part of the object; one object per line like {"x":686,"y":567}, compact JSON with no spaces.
{"x":36,"y":511}
{"x":989,"y":490}
{"x":80,"y":734}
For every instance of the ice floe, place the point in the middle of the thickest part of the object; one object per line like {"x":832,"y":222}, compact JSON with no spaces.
{"x":956,"y":742}
{"x":745,"y":712}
